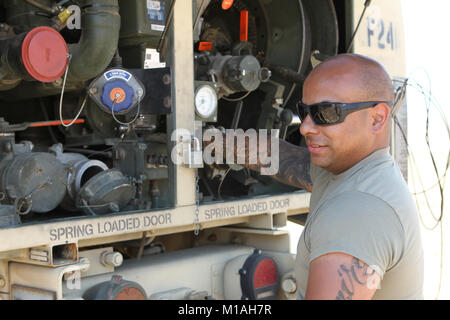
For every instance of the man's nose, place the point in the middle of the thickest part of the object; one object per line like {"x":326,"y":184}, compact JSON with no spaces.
{"x":308,"y":127}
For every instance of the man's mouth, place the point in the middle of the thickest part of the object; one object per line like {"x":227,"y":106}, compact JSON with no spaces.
{"x":315,"y":148}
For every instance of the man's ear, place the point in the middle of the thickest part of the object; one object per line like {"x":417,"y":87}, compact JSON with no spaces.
{"x":379,"y":117}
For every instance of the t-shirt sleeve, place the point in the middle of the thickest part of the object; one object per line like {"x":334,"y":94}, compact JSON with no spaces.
{"x":360,"y":225}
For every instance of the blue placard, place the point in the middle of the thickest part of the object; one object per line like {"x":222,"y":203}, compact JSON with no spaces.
{"x":117,"y":73}
{"x":156,"y":11}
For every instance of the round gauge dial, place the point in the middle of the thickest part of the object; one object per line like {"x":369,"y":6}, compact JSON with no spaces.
{"x":205,"y":101}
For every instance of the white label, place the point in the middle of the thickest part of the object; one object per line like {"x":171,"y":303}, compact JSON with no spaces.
{"x":157,"y":27}
{"x":152,"y":60}
{"x":153,"y":5}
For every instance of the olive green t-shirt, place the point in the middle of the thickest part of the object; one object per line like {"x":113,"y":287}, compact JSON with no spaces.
{"x":367,"y":212}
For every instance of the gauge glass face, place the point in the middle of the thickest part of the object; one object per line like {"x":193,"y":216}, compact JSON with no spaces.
{"x":205,"y":101}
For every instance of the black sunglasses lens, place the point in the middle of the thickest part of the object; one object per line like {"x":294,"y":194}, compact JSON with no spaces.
{"x":301,"y":110}
{"x":325,"y":113}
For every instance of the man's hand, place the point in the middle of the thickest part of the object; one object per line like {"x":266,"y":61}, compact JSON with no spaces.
{"x":342,"y":277}
{"x":294,"y":166}
{"x":294,"y":161}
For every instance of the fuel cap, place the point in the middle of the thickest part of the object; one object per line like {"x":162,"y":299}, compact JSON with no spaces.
{"x":119,"y":95}
{"x":44,"y":54}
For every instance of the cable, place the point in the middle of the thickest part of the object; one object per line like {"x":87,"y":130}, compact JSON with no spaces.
{"x":221,"y":181}
{"x":47,"y":118}
{"x":429,"y":101}
{"x":366,"y":5}
{"x":125,"y":123}
{"x":69,"y":56}
{"x":40,"y":6}
{"x":102,"y":152}
{"x":237,"y":99}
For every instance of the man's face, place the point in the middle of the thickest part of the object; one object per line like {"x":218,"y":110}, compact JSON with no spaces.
{"x":337,"y":147}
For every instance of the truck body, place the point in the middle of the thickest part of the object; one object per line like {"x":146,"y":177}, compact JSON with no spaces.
{"x":104,"y":190}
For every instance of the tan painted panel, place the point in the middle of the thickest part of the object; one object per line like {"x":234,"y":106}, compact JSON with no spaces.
{"x":381,"y":34}
{"x":169,"y":221}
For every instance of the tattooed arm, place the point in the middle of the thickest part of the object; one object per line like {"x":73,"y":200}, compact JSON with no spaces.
{"x":294,"y":166}
{"x":342,"y":277}
{"x":293,"y":161}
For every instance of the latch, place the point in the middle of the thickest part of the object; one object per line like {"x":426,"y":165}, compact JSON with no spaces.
{"x":188,"y":150}
{"x":193,"y":155}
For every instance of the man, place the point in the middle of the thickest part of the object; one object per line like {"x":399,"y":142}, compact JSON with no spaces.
{"x":361,"y":239}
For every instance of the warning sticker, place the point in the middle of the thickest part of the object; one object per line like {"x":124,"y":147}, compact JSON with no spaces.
{"x":153,"y":5}
{"x":152,"y":60}
{"x":156,"y":11}
{"x":157,"y":27}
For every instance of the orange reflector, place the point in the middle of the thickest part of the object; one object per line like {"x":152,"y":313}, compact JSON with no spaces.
{"x":244,"y":26}
{"x":226,"y":4}
{"x":205,"y":46}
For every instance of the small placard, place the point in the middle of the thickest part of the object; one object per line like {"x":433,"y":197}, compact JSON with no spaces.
{"x":152,"y":60}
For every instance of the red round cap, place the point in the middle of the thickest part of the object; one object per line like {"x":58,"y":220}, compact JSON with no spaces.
{"x":44,"y":54}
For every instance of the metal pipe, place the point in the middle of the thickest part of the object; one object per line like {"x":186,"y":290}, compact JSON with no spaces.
{"x":40,"y":6}
{"x":11,"y":69}
{"x":99,"y":40}
{"x":90,"y":56}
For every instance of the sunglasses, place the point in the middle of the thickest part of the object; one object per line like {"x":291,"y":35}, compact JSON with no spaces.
{"x":324,"y":113}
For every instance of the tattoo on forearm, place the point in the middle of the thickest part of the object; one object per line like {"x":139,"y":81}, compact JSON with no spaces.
{"x":293,"y":161}
{"x":294,"y":166}
{"x":357,"y":274}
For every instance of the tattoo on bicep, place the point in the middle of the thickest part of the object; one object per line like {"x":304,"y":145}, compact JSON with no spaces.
{"x":357,"y":274}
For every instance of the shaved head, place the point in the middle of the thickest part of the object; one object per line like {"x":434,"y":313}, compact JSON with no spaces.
{"x":348,"y":78}
{"x":367,"y":79}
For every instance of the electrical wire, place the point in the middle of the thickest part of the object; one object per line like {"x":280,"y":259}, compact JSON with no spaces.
{"x":366,"y":5}
{"x":429,"y":101}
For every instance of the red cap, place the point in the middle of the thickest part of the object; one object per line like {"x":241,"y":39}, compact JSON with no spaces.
{"x":44,"y":54}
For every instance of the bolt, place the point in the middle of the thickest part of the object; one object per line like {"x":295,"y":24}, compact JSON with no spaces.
{"x":93,"y":90}
{"x":167,"y":102}
{"x":289,"y":285}
{"x":112,"y":259}
{"x":2,"y":281}
{"x":166,"y":79}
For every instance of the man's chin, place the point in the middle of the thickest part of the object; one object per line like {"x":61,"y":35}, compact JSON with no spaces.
{"x":320,"y":162}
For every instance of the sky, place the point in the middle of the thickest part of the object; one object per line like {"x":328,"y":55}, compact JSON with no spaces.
{"x":426,"y":26}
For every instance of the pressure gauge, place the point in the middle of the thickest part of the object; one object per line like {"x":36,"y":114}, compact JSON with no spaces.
{"x":205,"y":101}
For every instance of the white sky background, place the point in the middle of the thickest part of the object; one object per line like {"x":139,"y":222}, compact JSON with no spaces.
{"x":427,"y":42}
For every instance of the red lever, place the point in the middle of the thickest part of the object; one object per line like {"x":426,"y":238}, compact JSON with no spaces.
{"x":244,"y":26}
{"x":53,"y":123}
